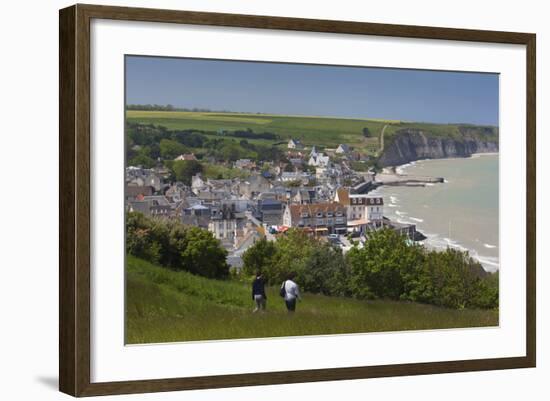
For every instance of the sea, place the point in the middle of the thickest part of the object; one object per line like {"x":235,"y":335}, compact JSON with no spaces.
{"x":461,"y":213}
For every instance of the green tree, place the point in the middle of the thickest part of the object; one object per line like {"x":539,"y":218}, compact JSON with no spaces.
{"x":173,"y":245}
{"x":325,"y":270}
{"x":170,"y":149}
{"x":258,"y":257}
{"x":184,"y":170}
{"x":382,"y":268}
{"x":203,"y":255}
{"x":142,"y":160}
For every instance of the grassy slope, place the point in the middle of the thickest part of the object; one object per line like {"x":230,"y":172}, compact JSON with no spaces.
{"x":167,"y":306}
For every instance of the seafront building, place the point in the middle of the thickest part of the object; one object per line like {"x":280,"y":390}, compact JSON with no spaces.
{"x":319,"y":218}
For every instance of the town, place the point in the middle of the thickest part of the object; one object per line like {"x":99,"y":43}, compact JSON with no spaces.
{"x":312,"y":190}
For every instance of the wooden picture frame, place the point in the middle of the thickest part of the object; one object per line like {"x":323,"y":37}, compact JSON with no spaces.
{"x":75,"y":207}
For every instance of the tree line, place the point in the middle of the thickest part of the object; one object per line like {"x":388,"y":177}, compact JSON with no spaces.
{"x":147,"y":143}
{"x":387,"y":267}
{"x":170,"y":107}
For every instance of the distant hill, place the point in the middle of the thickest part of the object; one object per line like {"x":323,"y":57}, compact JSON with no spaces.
{"x":324,"y":132}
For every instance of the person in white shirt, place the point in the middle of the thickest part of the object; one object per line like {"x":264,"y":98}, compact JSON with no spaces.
{"x":291,"y":292}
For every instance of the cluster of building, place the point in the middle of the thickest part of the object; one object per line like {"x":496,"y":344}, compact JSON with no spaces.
{"x":317,"y":192}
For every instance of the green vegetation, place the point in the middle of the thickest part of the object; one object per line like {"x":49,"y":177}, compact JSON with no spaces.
{"x":184,"y":170}
{"x":387,"y":267}
{"x":320,"y":131}
{"x":163,"y":305}
{"x":175,"y":246}
{"x":218,"y":172}
{"x":324,"y":132}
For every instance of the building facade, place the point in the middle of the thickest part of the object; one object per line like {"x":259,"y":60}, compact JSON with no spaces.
{"x":320,"y":218}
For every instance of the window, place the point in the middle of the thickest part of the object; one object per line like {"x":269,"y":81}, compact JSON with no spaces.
{"x":319,"y":214}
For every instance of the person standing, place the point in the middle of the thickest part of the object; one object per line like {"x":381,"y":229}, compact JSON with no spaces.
{"x":258,"y":292}
{"x":291,"y":292}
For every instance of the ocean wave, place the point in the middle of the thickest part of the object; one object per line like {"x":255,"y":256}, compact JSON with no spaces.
{"x":403,"y":167}
{"x":434,"y":241}
{"x":399,"y":213}
{"x":489,"y":246}
{"x":417,"y":219}
{"x":392,"y":205}
{"x":393,"y":199}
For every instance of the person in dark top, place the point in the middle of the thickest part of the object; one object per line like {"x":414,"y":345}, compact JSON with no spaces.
{"x":258,"y":292}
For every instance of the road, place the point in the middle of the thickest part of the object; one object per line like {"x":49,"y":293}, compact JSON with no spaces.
{"x":382,"y":138}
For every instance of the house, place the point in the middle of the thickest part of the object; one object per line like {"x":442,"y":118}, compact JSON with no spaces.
{"x":287,"y":176}
{"x":154,"y":206}
{"x":295,"y":144}
{"x":157,"y":210}
{"x":143,"y":178}
{"x":280,"y":193}
{"x":186,"y":156}
{"x":270,"y":212}
{"x":197,"y":215}
{"x":223,"y":224}
{"x":209,"y":196}
{"x":245,"y":164}
{"x":319,"y":218}
{"x":176,"y":193}
{"x":313,"y":152}
{"x":342,"y":149}
{"x":320,"y":160}
{"x":304,"y":196}
{"x":361,"y":206}
{"x":296,"y":162}
{"x":197,"y":183}
{"x":134,"y":191}
{"x":253,"y":186}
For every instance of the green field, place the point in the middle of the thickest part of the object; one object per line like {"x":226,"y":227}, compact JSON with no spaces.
{"x":167,"y":306}
{"x":320,"y":131}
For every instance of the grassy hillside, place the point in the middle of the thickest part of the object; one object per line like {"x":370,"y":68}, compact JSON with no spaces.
{"x":321,"y":131}
{"x":167,"y":306}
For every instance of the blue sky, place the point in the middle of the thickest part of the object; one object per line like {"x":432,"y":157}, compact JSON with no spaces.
{"x":298,"y":89}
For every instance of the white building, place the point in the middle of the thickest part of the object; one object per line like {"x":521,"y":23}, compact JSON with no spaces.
{"x":320,"y":160}
{"x":342,"y":149}
{"x":295,"y":144}
{"x":295,"y":176}
{"x":361,"y":206}
{"x":197,"y":183}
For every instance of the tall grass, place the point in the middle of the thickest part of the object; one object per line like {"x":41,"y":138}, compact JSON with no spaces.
{"x":168,"y":306}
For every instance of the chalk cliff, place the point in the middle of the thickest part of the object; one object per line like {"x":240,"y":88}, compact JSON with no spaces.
{"x":411,"y":144}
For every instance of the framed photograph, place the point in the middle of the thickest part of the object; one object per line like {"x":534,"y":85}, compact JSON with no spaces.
{"x":249,"y":200}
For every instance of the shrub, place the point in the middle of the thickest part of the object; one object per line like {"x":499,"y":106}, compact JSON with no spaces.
{"x":171,"y":244}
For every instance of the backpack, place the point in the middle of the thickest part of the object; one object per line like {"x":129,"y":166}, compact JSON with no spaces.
{"x":282,"y":291}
